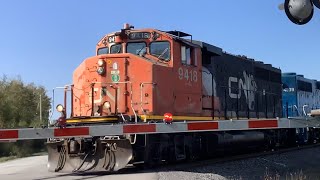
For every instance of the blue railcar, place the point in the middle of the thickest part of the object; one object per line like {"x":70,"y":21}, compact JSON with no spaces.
{"x":300,"y":95}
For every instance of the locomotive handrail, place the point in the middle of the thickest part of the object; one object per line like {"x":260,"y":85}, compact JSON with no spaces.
{"x":71,"y":87}
{"x":65,"y":88}
{"x":227,"y":87}
{"x":131,"y":94}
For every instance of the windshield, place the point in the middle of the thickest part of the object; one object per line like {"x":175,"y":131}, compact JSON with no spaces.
{"x":104,"y":50}
{"x":161,"y":50}
{"x":135,"y":47}
{"x":115,"y":49}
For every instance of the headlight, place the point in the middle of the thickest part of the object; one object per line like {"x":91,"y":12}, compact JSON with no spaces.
{"x":100,"y":70}
{"x":101,"y":62}
{"x":59,"y":108}
{"x":107,"y":105}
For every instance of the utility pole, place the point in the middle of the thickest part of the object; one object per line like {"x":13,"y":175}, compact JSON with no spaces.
{"x":40,"y":109}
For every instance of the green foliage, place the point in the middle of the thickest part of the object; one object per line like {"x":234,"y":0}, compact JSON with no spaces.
{"x":20,"y":107}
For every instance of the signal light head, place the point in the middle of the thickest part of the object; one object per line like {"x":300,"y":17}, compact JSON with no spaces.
{"x":59,"y":108}
{"x":167,"y":118}
{"x":316,"y":3}
{"x":299,"y":11}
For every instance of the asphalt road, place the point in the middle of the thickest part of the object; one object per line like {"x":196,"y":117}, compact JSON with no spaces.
{"x":36,"y":168}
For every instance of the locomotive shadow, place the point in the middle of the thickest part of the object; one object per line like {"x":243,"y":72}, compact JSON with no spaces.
{"x":275,"y":166}
{"x":97,"y":174}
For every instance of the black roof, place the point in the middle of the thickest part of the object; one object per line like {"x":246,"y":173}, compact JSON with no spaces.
{"x":178,"y":33}
{"x":209,"y":47}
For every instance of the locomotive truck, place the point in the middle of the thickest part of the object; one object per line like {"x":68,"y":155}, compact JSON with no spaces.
{"x":151,"y":97}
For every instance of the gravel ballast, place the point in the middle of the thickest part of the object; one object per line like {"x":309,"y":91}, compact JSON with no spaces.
{"x":301,"y":164}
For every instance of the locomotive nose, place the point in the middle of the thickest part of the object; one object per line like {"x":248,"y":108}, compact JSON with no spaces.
{"x":100,"y":86}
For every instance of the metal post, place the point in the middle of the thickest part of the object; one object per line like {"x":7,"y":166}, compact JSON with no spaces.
{"x":65,"y":100}
{"x":212,"y":99}
{"x":116,"y":101}
{"x":71,"y":94}
{"x":248,"y":109}
{"x":92,"y":99}
{"x":52,"y":109}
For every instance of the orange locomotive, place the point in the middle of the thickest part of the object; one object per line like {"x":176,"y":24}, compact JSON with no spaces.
{"x":147,"y":75}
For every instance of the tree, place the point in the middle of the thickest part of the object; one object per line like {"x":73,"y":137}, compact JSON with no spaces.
{"x":19,"y":107}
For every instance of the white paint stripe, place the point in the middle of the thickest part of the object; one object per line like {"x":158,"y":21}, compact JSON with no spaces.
{"x":106,"y":130}
{"x":233,"y":125}
{"x":174,"y":127}
{"x":35,"y":133}
{"x":299,"y":123}
{"x":283,"y":123}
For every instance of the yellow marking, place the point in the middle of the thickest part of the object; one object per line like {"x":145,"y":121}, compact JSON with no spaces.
{"x":145,"y":118}
{"x":91,"y":120}
{"x":177,"y":118}
{"x":109,"y":61}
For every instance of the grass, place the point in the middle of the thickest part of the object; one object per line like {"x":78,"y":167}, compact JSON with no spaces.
{"x":298,"y":175}
{"x":40,"y":153}
{"x":4,"y":159}
{"x":8,"y":158}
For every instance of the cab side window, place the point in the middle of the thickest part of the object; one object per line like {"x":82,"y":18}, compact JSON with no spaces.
{"x":160,"y":49}
{"x":188,"y":55}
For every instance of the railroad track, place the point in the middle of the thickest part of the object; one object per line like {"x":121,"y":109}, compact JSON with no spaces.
{"x":180,"y":166}
{"x":229,"y":158}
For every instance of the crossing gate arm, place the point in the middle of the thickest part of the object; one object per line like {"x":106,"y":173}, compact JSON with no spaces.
{"x":153,"y":128}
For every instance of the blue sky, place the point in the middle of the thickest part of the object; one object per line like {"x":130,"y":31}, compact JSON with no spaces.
{"x":44,"y":41}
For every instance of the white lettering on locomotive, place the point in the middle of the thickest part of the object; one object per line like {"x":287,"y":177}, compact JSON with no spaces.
{"x":248,"y":86}
{"x":189,"y":75}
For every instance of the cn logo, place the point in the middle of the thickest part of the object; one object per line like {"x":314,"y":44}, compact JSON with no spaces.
{"x":248,"y":86}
